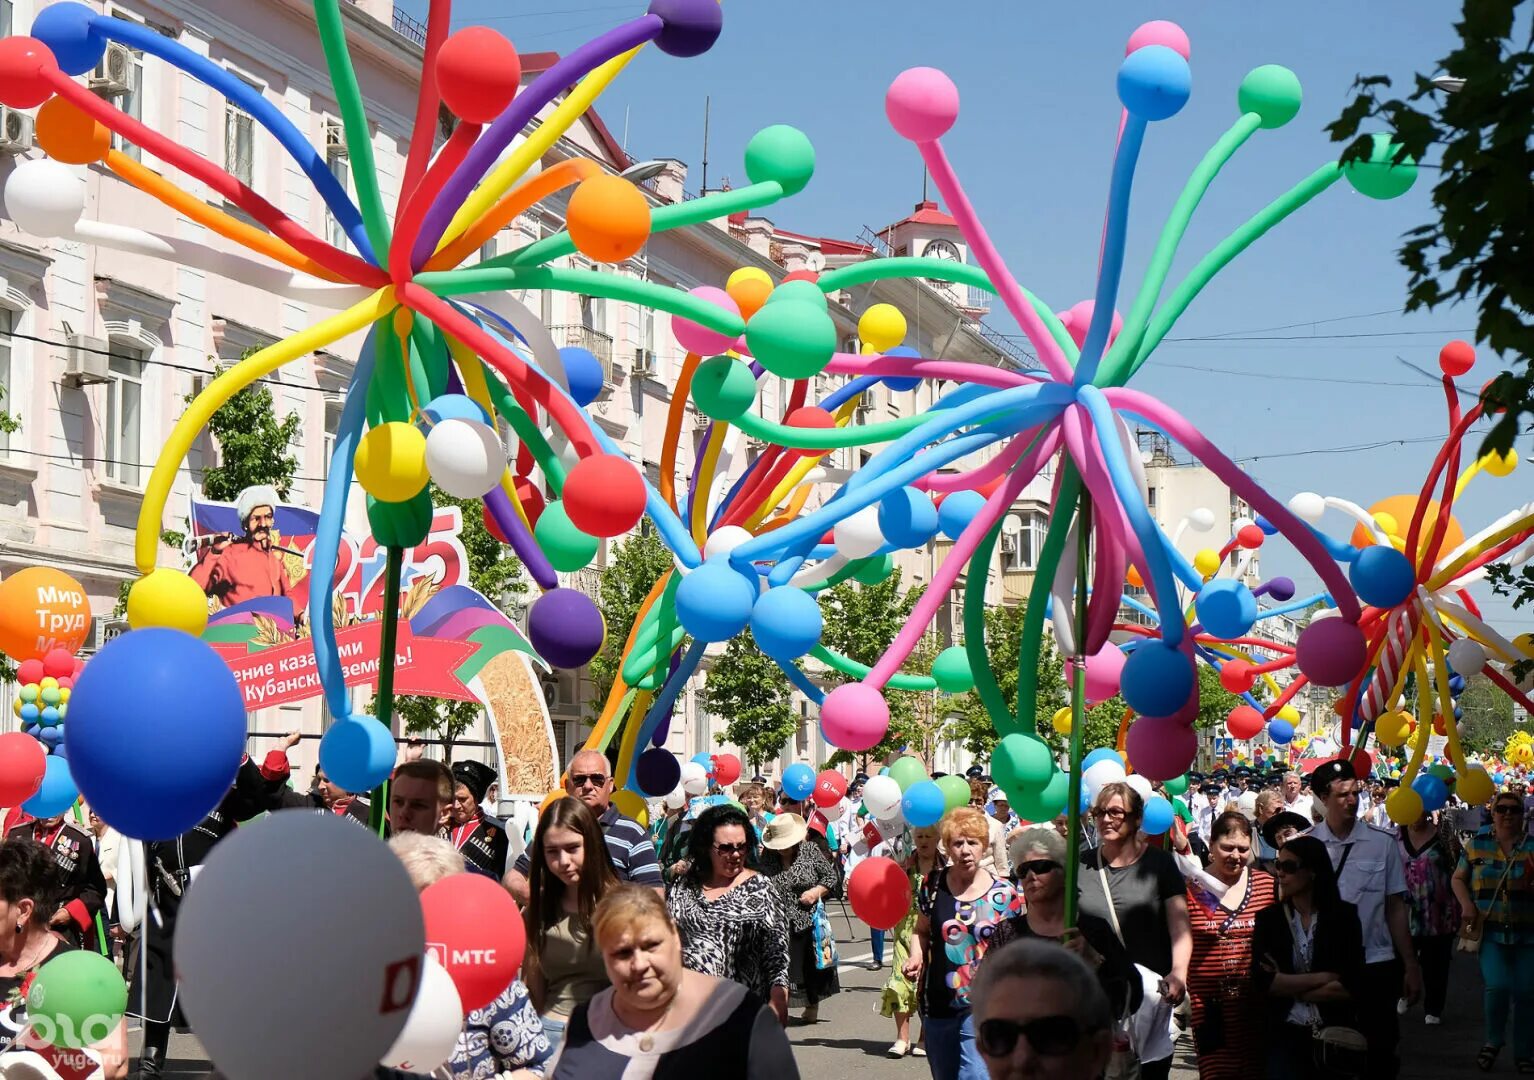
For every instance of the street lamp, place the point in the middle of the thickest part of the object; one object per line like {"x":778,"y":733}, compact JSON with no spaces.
{"x":641,"y":171}
{"x":1448,"y":84}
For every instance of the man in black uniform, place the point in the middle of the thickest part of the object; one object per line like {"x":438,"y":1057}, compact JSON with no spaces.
{"x":84,"y":887}
{"x":482,"y":842}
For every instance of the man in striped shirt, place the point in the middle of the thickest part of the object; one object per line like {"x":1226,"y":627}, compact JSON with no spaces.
{"x":590,"y":780}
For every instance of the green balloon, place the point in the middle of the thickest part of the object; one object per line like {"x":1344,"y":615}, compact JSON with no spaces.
{"x":1443,"y":772}
{"x":1380,"y":177}
{"x":81,"y":996}
{"x":804,"y":291}
{"x":955,"y":791}
{"x":723,"y":388}
{"x":1177,"y":785}
{"x":792,"y":339}
{"x":1043,"y":803}
{"x":568,"y":549}
{"x":874,"y":569}
{"x":401,"y":525}
{"x":1180,"y":808}
{"x":907,"y":771}
{"x":781,"y":153}
{"x":1272,"y":92}
{"x":1022,"y":762}
{"x":952,"y":672}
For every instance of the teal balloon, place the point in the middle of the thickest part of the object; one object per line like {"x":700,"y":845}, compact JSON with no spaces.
{"x":907,"y":771}
{"x":1272,"y":92}
{"x":723,"y":388}
{"x":794,"y":339}
{"x":1021,"y":762}
{"x":781,"y":153}
{"x":1177,"y":785}
{"x":952,"y":671}
{"x":566,"y":547}
{"x":874,"y":569}
{"x":81,"y":997}
{"x":1381,"y":176}
{"x":955,"y":791}
{"x":798,"y":289}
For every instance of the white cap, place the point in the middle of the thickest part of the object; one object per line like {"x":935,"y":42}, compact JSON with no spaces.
{"x":254,"y":496}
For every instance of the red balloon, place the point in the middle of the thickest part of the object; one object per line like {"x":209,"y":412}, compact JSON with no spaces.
{"x":475,"y":931}
{"x":726,"y":769}
{"x":492,"y":527}
{"x":1363,"y":764}
{"x":1236,"y":676}
{"x":1245,"y":722}
{"x":1456,"y":358}
{"x":22,"y":762}
{"x":30,"y":671}
{"x":25,"y":64}
{"x":880,"y":892}
{"x":478,"y":72}
{"x":830,"y":786}
{"x":531,"y":499}
{"x":604,"y":495}
{"x":801,"y":275}
{"x":59,"y":663}
{"x":810,"y":416}
{"x":1251,"y":536}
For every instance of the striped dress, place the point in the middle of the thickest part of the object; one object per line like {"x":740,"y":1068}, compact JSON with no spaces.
{"x":1227,"y":1012}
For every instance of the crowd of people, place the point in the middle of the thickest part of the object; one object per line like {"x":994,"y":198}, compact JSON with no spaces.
{"x":1276,"y":923}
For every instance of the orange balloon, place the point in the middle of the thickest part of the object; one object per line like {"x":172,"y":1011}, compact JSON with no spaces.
{"x":1402,"y":507}
{"x":608,"y":219}
{"x":749,"y":287}
{"x":1132,"y":575}
{"x":69,"y":135}
{"x":551,"y":798}
{"x":42,"y":609}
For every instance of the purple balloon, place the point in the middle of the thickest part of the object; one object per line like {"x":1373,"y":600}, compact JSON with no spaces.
{"x":1281,"y":589}
{"x":692,"y":26}
{"x":657,"y":772}
{"x":565,"y":627}
{"x":1331,"y":651}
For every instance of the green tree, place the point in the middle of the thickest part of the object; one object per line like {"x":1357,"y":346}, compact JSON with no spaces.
{"x":1214,"y":701}
{"x":1475,"y":128}
{"x":755,"y":697}
{"x":633,"y":567}
{"x":1487,"y":715}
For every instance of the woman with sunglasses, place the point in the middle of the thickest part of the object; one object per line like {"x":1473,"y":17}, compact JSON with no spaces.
{"x":1223,"y":905}
{"x":1307,"y":952}
{"x":734,"y":924}
{"x":1495,"y":887}
{"x":1040,"y":1015}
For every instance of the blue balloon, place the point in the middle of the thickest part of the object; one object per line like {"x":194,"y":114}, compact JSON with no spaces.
{"x":1266,"y":526}
{"x":1456,"y":684}
{"x":1157,"y":817}
{"x":907,"y":517}
{"x":1226,"y":608}
{"x":584,"y":373}
{"x":798,"y":781}
{"x":923,"y":804}
{"x":1282,"y":731}
{"x":1382,"y":576}
{"x":357,"y":753}
{"x":704,"y":759}
{"x":957,"y":511}
{"x":900,"y":383}
{"x":452,"y":407}
{"x":30,"y":713}
{"x":1498,"y":778}
{"x":1154,"y":82}
{"x":657,"y":772}
{"x":51,"y":736}
{"x":1102,"y":753}
{"x":714,"y":602}
{"x":57,"y":793}
{"x":786,"y":623}
{"x":1157,"y":679}
{"x":50,"y":716}
{"x":66,"y":30}
{"x":1434,"y":792}
{"x":156,"y":732}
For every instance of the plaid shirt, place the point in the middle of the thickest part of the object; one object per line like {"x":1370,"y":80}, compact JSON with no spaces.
{"x":1508,"y":906}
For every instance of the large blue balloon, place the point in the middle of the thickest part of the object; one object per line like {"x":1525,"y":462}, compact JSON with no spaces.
{"x":584,"y":373}
{"x":1226,"y":608}
{"x":714,"y":602}
{"x":907,"y":517}
{"x":1382,"y":576}
{"x":1157,"y":679}
{"x":58,"y":792}
{"x":957,"y":511}
{"x":1280,"y":731}
{"x":786,"y":623}
{"x":1102,"y":753}
{"x":1154,"y":82}
{"x":1157,"y":816}
{"x":923,"y":804}
{"x":357,"y":753}
{"x":156,"y":732}
{"x":900,"y":383}
{"x":1434,"y":792}
{"x":798,"y":781}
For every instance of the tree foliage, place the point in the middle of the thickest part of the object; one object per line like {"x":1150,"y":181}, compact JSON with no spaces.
{"x":253,"y":445}
{"x":755,"y":698}
{"x":633,"y":567}
{"x":1480,"y":142}
{"x":1487,"y":715}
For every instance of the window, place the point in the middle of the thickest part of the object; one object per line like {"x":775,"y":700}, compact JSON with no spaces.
{"x":1150,"y":499}
{"x":489,"y":249}
{"x":594,"y":313}
{"x":129,"y":101}
{"x":239,"y":143}
{"x":7,"y":324}
{"x":7,"y":14}
{"x":341,"y":169}
{"x":125,"y":395}
{"x":1026,"y":542}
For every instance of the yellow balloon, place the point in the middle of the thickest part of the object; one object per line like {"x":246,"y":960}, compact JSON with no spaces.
{"x":1289,"y":713}
{"x":882,"y":327}
{"x":1404,"y":806}
{"x":1392,"y":729}
{"x":1207,"y":562}
{"x":169,"y":598}
{"x":391,"y":462}
{"x":48,"y":683}
{"x":632,"y":804}
{"x":1500,"y":464}
{"x":1062,"y":721}
{"x":64,"y":693}
{"x":551,"y":798}
{"x":749,"y":287}
{"x":1474,"y":786}
{"x":1390,"y":527}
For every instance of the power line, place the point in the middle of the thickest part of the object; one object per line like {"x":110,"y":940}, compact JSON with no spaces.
{"x":1312,"y":322}
{"x":82,"y":460}
{"x":1232,"y":336}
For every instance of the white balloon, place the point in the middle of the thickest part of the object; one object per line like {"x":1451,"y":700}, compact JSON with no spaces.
{"x":1141,"y":785}
{"x":724,"y":540}
{"x":1308,"y":507}
{"x":890,"y":826}
{"x":1467,"y":657}
{"x":675,"y":800}
{"x":464,"y":457}
{"x":881,"y":794}
{"x":431,"y":1031}
{"x":361,"y":963}
{"x":858,"y":536}
{"x":1201,"y":519}
{"x":694,"y":777}
{"x":1241,"y":523}
{"x":45,"y":197}
{"x":1104,"y":772}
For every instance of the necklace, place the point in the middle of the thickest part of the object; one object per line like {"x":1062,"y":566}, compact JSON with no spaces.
{"x":647,"y":1037}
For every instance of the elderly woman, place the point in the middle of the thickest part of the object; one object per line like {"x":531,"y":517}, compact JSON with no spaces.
{"x":1140,"y":891}
{"x":734,"y":924}
{"x":800,"y":868}
{"x":960,"y":907}
{"x":660,"y":1019}
{"x":1040,"y":1013}
{"x":29,"y":895}
{"x":504,"y":1038}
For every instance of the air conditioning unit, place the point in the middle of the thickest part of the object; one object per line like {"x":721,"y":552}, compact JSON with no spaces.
{"x":15,"y":131}
{"x":864,"y":409}
{"x":550,"y":690}
{"x":645,"y":363}
{"x":1008,"y":544}
{"x":701,"y":421}
{"x":335,"y":139}
{"x":85,"y":360}
{"x":113,"y":76}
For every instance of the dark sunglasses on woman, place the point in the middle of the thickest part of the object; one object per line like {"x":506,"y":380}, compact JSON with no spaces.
{"x":1050,"y":1036}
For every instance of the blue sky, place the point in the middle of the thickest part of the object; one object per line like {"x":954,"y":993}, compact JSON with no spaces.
{"x":1033,"y":146}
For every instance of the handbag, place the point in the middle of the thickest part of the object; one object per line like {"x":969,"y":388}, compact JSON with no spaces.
{"x":1340,"y":1051}
{"x":1124,"y":1062}
{"x":1470,"y":936}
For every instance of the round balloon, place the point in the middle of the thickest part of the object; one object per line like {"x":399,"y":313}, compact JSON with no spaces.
{"x":854,"y":716}
{"x":907,"y":770}
{"x":77,"y":998}
{"x":42,"y":609}
{"x":798,"y":781}
{"x":726,"y":769}
{"x":1159,"y":816}
{"x":880,"y":892}
{"x":57,"y":792}
{"x":22,"y":761}
{"x":361,"y":963}
{"x":476,"y":932}
{"x":695,"y":778}
{"x":431,"y":1030}
{"x":657,"y":771}
{"x":465,"y":458}
{"x":923,"y":804}
{"x":830,"y":786}
{"x":881,"y":794}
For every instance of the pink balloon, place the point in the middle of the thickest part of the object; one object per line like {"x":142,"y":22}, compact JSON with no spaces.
{"x":922,"y":104}
{"x":1160,"y":748}
{"x":700,"y":339}
{"x":1103,"y":668}
{"x":1160,"y":32}
{"x":1079,"y":317}
{"x":854,"y":716}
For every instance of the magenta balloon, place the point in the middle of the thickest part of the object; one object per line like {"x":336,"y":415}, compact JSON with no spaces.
{"x":854,"y":717}
{"x":1331,"y":652}
{"x":922,"y":104}
{"x":1160,"y":32}
{"x":1160,"y":748}
{"x":700,"y":339}
{"x":1079,"y":317}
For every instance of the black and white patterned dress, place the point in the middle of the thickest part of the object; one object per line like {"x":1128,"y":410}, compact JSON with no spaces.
{"x":742,"y":936}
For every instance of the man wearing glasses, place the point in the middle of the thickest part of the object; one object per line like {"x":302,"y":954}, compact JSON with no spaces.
{"x":628,"y":843}
{"x":1040,"y":1014}
{"x":1370,"y":876}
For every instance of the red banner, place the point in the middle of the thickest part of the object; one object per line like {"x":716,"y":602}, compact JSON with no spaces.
{"x":286,"y":673}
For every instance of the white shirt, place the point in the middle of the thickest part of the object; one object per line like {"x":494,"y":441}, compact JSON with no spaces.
{"x":1301,"y":805}
{"x":1371,"y":873}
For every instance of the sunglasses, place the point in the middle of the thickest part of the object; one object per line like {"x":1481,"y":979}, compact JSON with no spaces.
{"x":1112,"y":814}
{"x":1050,"y":1036}
{"x":1288,"y":866}
{"x":595,"y":779}
{"x":1511,"y":811}
{"x":1037,"y":867}
{"x":731,"y":849}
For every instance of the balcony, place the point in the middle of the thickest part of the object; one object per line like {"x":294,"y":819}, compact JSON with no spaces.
{"x":409,"y":28}
{"x":595,"y":342}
